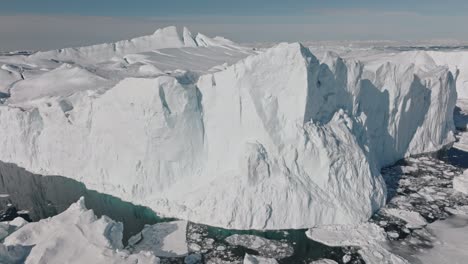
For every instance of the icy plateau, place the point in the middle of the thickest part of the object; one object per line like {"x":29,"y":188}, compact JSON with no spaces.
{"x":208,"y":130}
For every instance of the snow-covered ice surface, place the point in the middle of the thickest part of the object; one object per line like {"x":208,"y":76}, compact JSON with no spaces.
{"x":204,"y":129}
{"x":98,"y":68}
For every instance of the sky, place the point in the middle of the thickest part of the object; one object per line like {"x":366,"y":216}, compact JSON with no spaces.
{"x":49,"y":24}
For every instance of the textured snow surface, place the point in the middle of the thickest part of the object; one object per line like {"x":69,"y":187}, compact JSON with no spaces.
{"x":74,"y":236}
{"x":276,"y":140}
{"x":64,"y":80}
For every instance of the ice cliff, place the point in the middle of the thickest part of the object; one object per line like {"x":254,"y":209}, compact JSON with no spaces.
{"x":277,"y":140}
{"x":456,"y":61}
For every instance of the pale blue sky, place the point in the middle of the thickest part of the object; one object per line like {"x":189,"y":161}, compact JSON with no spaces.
{"x":222,"y":7}
{"x":47,"y":24}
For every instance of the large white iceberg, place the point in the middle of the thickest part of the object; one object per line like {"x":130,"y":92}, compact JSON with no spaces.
{"x":277,"y":140}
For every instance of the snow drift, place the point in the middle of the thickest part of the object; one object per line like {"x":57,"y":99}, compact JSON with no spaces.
{"x":277,"y":140}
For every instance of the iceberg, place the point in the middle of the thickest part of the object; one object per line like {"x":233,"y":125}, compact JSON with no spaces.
{"x":277,"y":140}
{"x":74,"y":236}
{"x":162,"y":38}
{"x":162,"y":239}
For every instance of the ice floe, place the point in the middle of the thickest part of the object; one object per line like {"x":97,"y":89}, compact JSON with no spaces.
{"x":162,"y":239}
{"x":74,"y":236}
{"x":252,"y":259}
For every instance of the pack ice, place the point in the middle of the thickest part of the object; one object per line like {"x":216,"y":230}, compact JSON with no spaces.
{"x":204,"y":129}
